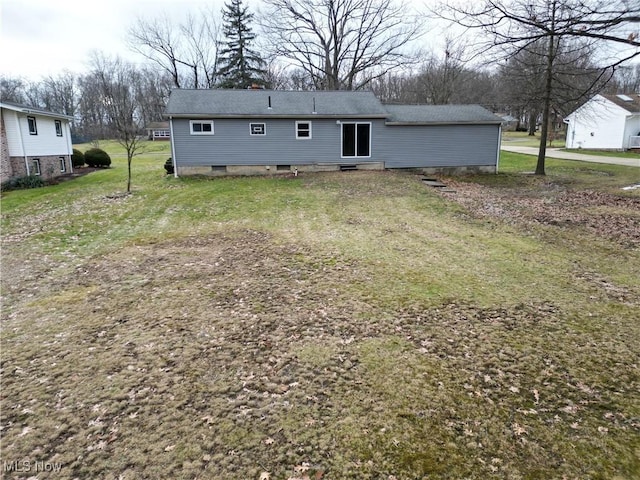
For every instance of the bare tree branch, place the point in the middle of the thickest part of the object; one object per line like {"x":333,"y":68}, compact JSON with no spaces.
{"x":341,"y":44}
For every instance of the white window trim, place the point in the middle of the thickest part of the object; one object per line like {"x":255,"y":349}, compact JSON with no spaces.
{"x":264,"y":129}
{"x":298,"y":137}
{"x":36,"y":167}
{"x":356,"y":139}
{"x":192,"y":122}
{"x":161,"y":134}
{"x":35,"y":125}
{"x":58,"y":125}
{"x":63,"y":165}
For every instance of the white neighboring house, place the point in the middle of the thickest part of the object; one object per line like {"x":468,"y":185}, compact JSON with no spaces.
{"x":607,"y":122}
{"x":34,"y":142}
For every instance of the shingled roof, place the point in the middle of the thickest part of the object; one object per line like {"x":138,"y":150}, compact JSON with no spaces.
{"x":629,"y":101}
{"x":273,"y":103}
{"x":439,"y":115}
{"x":333,"y":104}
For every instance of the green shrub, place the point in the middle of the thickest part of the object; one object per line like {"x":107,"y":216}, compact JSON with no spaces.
{"x":96,"y":157}
{"x":22,"y":183}
{"x":77,"y":158}
{"x":168,"y":166}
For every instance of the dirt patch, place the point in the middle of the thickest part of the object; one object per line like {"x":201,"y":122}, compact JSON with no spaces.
{"x":606,"y":215}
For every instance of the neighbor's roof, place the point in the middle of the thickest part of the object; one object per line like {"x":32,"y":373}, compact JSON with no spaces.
{"x":17,"y":107}
{"x":629,"y":101}
{"x":440,"y":115}
{"x":255,"y":103}
{"x":157,"y":126}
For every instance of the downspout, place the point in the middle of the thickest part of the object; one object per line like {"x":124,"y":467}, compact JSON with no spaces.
{"x":24,"y":151}
{"x":70,"y":146}
{"x":173,"y":149}
{"x":499,"y":144}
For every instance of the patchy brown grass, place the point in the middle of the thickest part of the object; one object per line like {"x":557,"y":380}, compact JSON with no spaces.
{"x":541,"y":202}
{"x":275,"y":352}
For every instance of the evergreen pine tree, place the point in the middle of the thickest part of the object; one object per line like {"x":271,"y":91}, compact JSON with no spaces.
{"x":240,"y":66}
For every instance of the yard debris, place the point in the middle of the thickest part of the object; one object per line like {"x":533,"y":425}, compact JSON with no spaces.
{"x":435,"y":183}
{"x":606,"y":215}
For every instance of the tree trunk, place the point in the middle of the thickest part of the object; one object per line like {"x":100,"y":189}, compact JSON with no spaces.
{"x":533,"y":120}
{"x":129,"y":174}
{"x":542,"y":152}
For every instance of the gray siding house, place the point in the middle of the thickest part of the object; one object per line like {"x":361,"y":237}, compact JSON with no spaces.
{"x":218,"y":132}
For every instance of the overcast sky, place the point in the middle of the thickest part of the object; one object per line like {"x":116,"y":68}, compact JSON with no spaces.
{"x":46,"y":37}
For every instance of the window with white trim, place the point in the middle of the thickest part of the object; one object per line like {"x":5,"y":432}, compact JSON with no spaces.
{"x":63,"y":165}
{"x":161,"y":134}
{"x":35,"y":166}
{"x":33,"y":126}
{"x":58,"y":128}
{"x":201,"y":127}
{"x":303,"y":130}
{"x":257,"y":129}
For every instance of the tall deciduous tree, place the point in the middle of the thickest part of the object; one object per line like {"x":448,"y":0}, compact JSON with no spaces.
{"x":240,"y":66}
{"x":551,"y":30}
{"x":187,"y":52}
{"x":340,"y":44}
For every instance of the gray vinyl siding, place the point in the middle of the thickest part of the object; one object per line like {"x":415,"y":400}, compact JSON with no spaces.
{"x":231,"y":143}
{"x":408,"y":146}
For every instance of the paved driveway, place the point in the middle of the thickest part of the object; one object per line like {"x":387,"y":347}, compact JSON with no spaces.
{"x":558,"y":153}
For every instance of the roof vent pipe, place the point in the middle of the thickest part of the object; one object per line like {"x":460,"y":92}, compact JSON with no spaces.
{"x":314,"y":106}
{"x":269,"y":102}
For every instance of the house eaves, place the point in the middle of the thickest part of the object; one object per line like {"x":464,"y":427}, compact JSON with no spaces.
{"x":33,"y":110}
{"x":392,"y":124}
{"x":305,"y":116}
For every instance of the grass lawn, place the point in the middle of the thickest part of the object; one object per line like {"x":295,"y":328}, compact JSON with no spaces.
{"x":339,"y":325}
{"x":522,"y":139}
{"x":604,"y":153}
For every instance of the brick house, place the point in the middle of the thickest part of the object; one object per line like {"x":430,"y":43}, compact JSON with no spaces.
{"x":33,"y":141}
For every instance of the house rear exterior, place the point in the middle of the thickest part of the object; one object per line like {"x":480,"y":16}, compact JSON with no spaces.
{"x":606,"y":122}
{"x":34,"y":142}
{"x":217,"y":132}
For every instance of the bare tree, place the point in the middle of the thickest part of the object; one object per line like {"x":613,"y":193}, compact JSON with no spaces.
{"x":12,"y":89}
{"x":559,"y":26}
{"x":60,"y":93}
{"x":626,"y":80}
{"x":186,"y":52}
{"x":202,"y":42}
{"x":118,"y":83}
{"x":340,"y":44}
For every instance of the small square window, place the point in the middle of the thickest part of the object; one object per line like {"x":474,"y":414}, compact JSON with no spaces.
{"x":58,"y":128}
{"x":303,"y":130}
{"x":257,"y":129}
{"x":35,"y":166}
{"x":33,"y":126}
{"x":63,"y":165}
{"x":201,"y":127}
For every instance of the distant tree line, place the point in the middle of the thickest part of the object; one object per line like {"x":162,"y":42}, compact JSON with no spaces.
{"x":536,"y":60}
